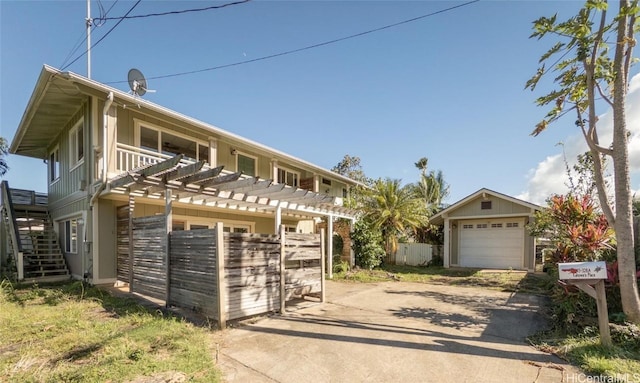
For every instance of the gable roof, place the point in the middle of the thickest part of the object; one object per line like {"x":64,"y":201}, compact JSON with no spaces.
{"x":58,"y":96}
{"x":438,"y":219}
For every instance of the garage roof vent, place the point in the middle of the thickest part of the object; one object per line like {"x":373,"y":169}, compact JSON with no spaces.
{"x":485,"y":205}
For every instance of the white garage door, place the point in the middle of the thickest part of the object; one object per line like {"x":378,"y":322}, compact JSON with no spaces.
{"x":497,"y":244}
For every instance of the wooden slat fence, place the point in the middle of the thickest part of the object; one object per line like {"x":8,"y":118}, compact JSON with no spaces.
{"x":252,"y":273}
{"x":303,"y":269}
{"x":28,"y":197}
{"x":122,"y":244}
{"x":149,"y":256}
{"x":192,"y":278}
{"x":251,"y":264}
{"x":414,"y":254}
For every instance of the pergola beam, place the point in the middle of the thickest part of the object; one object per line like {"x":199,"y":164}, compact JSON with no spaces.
{"x":202,"y":176}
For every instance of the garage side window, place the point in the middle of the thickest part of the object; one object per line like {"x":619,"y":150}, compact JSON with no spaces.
{"x":512,"y":224}
{"x":467,"y":226}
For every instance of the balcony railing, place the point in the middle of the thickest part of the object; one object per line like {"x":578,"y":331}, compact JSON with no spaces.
{"x":130,"y":158}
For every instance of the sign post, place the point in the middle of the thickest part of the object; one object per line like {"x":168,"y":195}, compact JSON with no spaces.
{"x":589,"y":277}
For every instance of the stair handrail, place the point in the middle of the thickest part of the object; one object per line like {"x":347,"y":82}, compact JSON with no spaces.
{"x":15,"y":234}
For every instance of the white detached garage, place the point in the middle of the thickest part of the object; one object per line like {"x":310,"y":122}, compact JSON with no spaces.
{"x":487,"y":229}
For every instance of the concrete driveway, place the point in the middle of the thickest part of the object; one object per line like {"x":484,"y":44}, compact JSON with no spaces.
{"x":394,"y":332}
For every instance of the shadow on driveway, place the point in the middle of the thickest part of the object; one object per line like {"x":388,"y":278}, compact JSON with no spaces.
{"x":394,"y":332}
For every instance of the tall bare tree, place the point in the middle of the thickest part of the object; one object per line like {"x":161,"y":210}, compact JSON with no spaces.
{"x":595,"y":54}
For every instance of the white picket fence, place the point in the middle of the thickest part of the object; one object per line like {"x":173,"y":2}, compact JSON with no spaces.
{"x":414,"y":254}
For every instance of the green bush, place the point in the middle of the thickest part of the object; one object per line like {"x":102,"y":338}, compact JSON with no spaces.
{"x":367,"y":245}
{"x":340,"y":266}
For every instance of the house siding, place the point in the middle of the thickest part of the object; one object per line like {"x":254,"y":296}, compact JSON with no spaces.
{"x":70,"y":178}
{"x":126,"y":122}
{"x":498,"y":207}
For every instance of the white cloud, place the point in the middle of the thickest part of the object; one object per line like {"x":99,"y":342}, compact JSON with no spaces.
{"x":550,"y":175}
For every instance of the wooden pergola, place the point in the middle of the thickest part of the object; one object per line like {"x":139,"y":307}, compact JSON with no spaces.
{"x":199,"y":185}
{"x":215,"y":188}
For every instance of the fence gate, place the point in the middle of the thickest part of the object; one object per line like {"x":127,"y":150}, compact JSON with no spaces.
{"x":149,"y":256}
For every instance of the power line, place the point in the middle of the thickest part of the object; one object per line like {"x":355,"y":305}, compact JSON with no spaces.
{"x":307,"y":47}
{"x":103,"y":37}
{"x":81,"y":40}
{"x":176,"y":12}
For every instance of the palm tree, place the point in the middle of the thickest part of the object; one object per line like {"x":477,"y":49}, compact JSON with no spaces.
{"x":433,"y":190}
{"x":394,"y":210}
{"x":4,"y":150}
{"x":431,"y":187}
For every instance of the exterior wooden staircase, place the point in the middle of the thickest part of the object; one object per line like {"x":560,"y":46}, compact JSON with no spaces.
{"x":33,"y":243}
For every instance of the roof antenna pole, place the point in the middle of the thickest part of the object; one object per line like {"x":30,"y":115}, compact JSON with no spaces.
{"x":89,"y":21}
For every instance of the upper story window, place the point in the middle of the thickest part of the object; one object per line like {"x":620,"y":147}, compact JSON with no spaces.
{"x":76,"y":144}
{"x":170,"y":144}
{"x":54,"y":165}
{"x":485,"y":205}
{"x":288,"y":177}
{"x":246,"y":164}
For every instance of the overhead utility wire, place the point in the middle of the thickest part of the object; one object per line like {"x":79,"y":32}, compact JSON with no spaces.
{"x":307,"y":47}
{"x":103,"y":37}
{"x":177,"y":12}
{"x":81,"y":40}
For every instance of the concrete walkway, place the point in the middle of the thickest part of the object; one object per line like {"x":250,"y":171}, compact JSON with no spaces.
{"x":394,"y":332}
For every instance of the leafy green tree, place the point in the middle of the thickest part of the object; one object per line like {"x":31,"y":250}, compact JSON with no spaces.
{"x":592,"y":61}
{"x":394,"y":210}
{"x":4,"y":150}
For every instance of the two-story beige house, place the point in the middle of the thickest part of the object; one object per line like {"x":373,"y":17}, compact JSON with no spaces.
{"x":109,"y":151}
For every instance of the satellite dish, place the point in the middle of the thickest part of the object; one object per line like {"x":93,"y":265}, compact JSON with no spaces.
{"x":137,"y":82}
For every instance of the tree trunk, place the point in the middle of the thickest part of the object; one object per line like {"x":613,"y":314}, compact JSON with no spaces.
{"x":624,"y":217}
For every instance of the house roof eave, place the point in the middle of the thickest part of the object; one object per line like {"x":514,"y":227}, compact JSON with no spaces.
{"x":438,"y":219}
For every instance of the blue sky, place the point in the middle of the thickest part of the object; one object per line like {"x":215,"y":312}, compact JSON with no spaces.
{"x":449,"y":87}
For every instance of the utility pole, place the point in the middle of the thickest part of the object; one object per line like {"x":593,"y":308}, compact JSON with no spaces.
{"x":89,"y":22}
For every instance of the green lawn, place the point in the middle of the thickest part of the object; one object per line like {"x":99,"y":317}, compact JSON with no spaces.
{"x":75,"y":333}
{"x":500,"y":280}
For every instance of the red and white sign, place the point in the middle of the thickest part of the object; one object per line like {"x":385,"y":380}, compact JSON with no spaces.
{"x":583,"y":270}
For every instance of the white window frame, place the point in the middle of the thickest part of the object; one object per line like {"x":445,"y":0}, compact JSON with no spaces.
{"x":137,"y":124}
{"x":75,"y":159}
{"x":211,"y":222}
{"x":255,"y":160}
{"x":71,"y":236}
{"x":53,"y":171}
{"x":286,"y":173}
